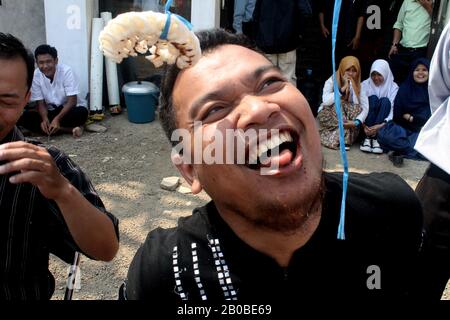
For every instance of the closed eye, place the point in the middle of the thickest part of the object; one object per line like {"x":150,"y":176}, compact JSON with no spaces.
{"x":272,"y":84}
{"x":215,"y":113}
{"x":8,"y":103}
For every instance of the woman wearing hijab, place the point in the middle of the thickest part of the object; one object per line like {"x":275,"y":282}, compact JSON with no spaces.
{"x":434,"y":188}
{"x":381,"y":90}
{"x":354,"y":105}
{"x":411,"y":112}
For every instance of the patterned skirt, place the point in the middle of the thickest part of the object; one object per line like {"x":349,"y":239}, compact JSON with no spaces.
{"x":329,"y":128}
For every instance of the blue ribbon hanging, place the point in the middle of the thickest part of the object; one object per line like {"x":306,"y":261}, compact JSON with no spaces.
{"x":165,"y":32}
{"x":337,"y":99}
{"x":337,"y":104}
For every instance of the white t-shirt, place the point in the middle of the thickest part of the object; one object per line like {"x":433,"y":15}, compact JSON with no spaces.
{"x":55,"y":93}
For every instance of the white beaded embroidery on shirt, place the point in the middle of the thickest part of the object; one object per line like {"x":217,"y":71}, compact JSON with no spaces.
{"x":223,"y":272}
{"x":176,"y":270}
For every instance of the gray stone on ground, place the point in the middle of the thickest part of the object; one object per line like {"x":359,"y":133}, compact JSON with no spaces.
{"x":170,"y":183}
{"x":184,"y":190}
{"x":96,"y":128}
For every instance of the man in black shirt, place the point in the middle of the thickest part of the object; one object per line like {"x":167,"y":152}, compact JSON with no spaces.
{"x":350,"y":27}
{"x":269,"y":237}
{"x":47,"y":204}
{"x":277,"y":28}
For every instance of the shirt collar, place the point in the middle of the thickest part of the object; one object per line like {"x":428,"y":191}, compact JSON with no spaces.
{"x":14,"y":135}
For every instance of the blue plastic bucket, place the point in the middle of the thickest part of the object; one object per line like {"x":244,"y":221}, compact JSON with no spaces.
{"x":141,"y":98}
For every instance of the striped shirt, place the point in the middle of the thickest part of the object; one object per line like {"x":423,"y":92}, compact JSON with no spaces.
{"x":32,"y":226}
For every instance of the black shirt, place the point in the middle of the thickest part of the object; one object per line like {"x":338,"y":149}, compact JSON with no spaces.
{"x":278,"y":24}
{"x":351,"y":11}
{"x":32,"y":226}
{"x":202,"y":259}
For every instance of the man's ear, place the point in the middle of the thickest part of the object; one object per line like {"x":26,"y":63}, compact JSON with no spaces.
{"x":188,"y":172}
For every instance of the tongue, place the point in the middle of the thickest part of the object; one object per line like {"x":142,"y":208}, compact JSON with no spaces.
{"x":283,"y":159}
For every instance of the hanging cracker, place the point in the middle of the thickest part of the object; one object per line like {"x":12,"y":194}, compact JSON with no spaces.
{"x":167,"y":37}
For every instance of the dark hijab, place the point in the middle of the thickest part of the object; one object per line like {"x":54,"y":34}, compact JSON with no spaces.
{"x":412,"y":98}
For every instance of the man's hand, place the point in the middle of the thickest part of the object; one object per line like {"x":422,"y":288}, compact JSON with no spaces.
{"x":32,"y":164}
{"x":394,"y":50}
{"x":428,"y":5}
{"x":354,"y":43}
{"x":91,"y":229}
{"x":54,"y":126}
{"x":45,"y":126}
{"x":325,"y":31}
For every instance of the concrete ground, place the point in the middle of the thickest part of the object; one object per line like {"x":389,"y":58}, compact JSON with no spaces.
{"x":127,"y":164}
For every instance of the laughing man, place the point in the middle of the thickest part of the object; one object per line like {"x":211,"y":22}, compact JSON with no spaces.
{"x":269,"y":237}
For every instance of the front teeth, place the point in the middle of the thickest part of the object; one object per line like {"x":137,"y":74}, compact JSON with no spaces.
{"x":271,"y":143}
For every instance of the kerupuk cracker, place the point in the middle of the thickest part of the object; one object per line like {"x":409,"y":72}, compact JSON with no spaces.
{"x":165,"y":36}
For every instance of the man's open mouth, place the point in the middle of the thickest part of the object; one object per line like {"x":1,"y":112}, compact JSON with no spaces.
{"x":277,"y":150}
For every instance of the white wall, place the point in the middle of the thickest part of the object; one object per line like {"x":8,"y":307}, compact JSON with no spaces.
{"x":447,"y":17}
{"x":68,"y":28}
{"x":205,"y":14}
{"x":24,"y":19}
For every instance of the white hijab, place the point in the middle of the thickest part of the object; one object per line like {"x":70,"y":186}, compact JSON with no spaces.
{"x":388,"y":89}
{"x":434,"y":138}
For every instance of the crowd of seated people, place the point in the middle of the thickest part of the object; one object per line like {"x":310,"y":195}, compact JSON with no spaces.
{"x":387,"y":110}
{"x":388,"y":117}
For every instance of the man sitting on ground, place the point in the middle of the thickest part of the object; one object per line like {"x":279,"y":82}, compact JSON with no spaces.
{"x":56,"y":91}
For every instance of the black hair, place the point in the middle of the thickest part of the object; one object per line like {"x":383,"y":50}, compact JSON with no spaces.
{"x":46,"y":49}
{"x":210,"y":40}
{"x":11,"y":48}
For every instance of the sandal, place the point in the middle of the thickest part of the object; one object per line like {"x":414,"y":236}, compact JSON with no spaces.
{"x":96,"y":117}
{"x":115,"y":110}
{"x":89,"y":121}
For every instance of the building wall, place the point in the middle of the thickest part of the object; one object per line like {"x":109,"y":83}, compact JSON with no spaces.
{"x":24,"y":19}
{"x":447,"y":17}
{"x":205,"y":14}
{"x":68,"y":26}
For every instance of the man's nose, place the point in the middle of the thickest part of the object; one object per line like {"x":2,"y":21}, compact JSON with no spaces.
{"x":255,"y":110}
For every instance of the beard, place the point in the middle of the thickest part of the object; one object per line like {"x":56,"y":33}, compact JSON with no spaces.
{"x":287,"y":219}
